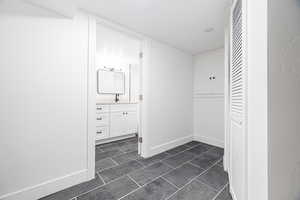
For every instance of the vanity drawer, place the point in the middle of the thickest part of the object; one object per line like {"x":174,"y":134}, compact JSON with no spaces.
{"x":102,"y":108}
{"x":102,"y":119}
{"x":102,"y":132}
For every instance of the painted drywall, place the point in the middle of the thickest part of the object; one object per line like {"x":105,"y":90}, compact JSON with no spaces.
{"x":43,"y":119}
{"x":117,"y":50}
{"x":284,"y":98}
{"x":208,"y":97}
{"x":167,"y":105}
{"x":181,"y":24}
{"x":257,"y":100}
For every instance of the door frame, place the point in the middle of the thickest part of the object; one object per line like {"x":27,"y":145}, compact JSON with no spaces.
{"x":91,"y":100}
{"x":227,"y":99}
{"x":142,"y":150}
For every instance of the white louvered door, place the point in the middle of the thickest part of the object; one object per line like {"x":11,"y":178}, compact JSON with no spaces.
{"x":237,"y":168}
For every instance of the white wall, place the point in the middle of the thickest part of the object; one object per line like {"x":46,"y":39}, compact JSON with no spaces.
{"x":208,"y":97}
{"x":167,"y":105}
{"x":284,"y":98}
{"x":117,"y":50}
{"x":43,"y":119}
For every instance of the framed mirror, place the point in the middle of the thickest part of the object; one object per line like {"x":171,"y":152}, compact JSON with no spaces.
{"x":111,"y":82}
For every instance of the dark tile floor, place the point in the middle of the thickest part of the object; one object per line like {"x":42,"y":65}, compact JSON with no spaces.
{"x":192,"y":171}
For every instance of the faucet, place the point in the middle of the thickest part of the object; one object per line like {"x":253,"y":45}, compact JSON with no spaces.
{"x":117,"y":99}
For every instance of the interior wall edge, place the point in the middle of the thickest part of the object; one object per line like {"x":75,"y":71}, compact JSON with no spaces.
{"x":208,"y":140}
{"x":169,"y":145}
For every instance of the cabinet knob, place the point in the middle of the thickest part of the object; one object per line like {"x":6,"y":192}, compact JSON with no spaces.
{"x":100,"y":118}
{"x":99,"y":132}
{"x":99,"y":108}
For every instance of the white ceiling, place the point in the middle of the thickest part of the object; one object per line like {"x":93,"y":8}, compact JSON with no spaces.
{"x":180,"y":23}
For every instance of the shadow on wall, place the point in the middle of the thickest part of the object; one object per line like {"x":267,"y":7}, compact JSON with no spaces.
{"x":296,"y":182}
{"x":290,"y":61}
{"x":296,"y":175}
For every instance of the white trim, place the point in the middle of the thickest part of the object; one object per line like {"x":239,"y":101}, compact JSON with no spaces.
{"x":139,"y":107}
{"x":122,"y":137}
{"x":199,"y":96}
{"x":211,"y":141}
{"x":91,"y":99}
{"x":47,"y":187}
{"x":169,"y":145}
{"x":232,"y":193}
{"x":134,"y":181}
{"x":227,"y":98}
{"x":144,"y":72}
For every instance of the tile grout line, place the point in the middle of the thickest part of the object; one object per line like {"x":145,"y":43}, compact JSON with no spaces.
{"x":195,"y":165}
{"x":134,"y":181}
{"x":130,"y":192}
{"x":161,"y":160}
{"x":167,"y":164}
{"x":173,"y":168}
{"x":122,"y":153}
{"x":140,"y":163}
{"x":98,"y":174}
{"x":114,"y":161}
{"x":119,"y":148}
{"x":218,"y":193}
{"x":176,"y":187}
{"x":161,"y":176}
{"x":170,"y":156}
{"x":115,"y":164}
{"x":100,"y":186}
{"x":192,"y":180}
{"x":101,"y":178}
{"x":199,"y":181}
{"x":150,"y":181}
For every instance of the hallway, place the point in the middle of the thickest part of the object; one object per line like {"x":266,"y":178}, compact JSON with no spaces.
{"x":190,"y":171}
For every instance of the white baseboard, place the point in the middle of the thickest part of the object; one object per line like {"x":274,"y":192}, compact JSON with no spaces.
{"x":169,"y":145}
{"x":210,"y":141}
{"x":115,"y":139}
{"x":48,"y":187}
{"x":232,"y":193}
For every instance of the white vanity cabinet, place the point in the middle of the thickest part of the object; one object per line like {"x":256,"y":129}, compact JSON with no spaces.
{"x":115,"y":120}
{"x":123,"y":123}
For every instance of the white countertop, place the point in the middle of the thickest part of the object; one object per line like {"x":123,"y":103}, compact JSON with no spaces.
{"x":113,"y":103}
